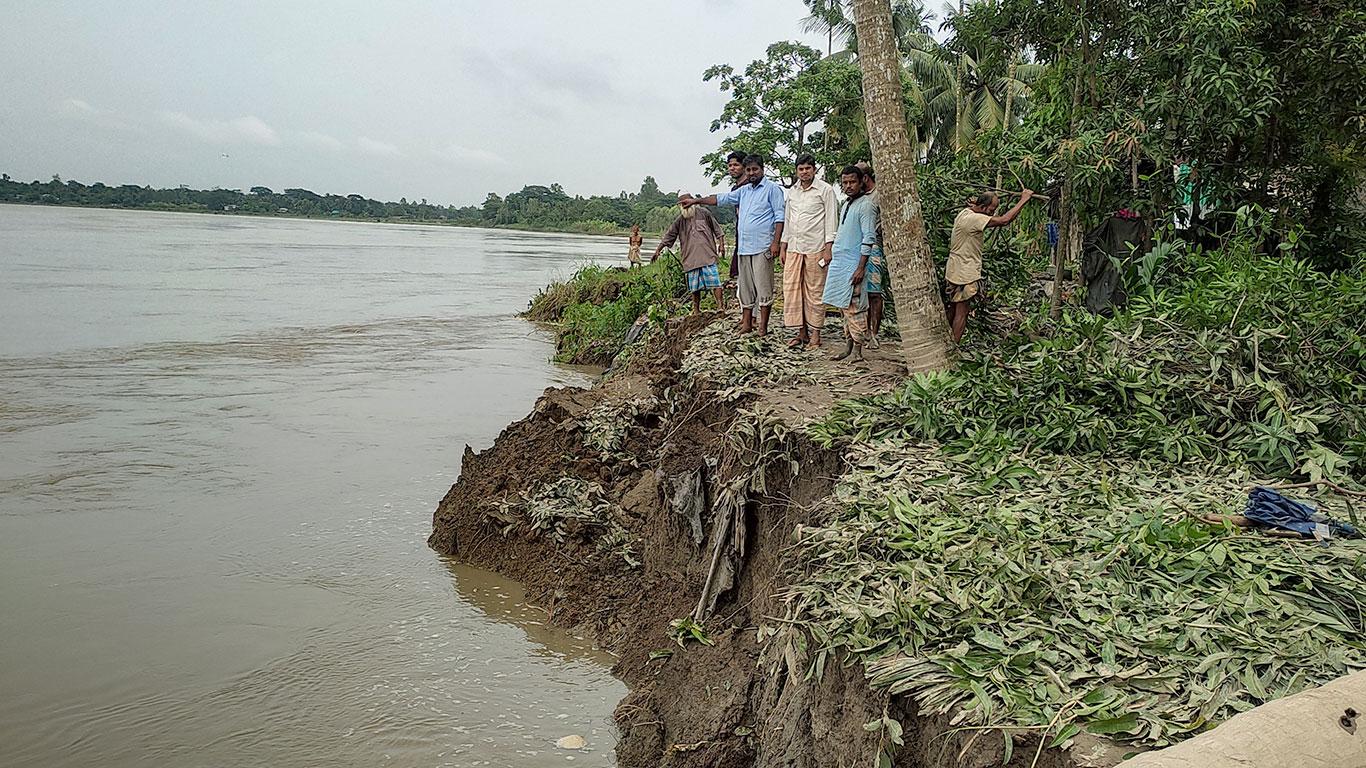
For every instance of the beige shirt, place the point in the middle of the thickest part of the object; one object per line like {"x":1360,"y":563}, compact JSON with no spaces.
{"x":696,"y":238}
{"x":965,"y":247}
{"x":812,"y":215}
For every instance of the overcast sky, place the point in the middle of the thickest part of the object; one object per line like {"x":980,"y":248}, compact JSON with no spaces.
{"x":446,"y":100}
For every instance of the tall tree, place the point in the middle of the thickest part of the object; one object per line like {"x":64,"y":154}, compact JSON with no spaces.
{"x":964,"y":94}
{"x":831,"y":18}
{"x":920,"y":311}
{"x":777,"y":103}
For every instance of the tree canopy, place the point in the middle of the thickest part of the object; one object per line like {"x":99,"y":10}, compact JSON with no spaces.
{"x":533,"y":207}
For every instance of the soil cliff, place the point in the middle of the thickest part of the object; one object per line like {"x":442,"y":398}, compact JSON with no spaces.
{"x":608,"y":504}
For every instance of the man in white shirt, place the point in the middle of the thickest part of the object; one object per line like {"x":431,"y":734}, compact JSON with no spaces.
{"x":811,"y":217}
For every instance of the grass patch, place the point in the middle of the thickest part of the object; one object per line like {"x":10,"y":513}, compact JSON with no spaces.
{"x":595,"y":308}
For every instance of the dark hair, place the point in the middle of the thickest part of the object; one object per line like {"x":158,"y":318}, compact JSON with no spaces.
{"x":869,"y":173}
{"x":853,"y":170}
{"x":754,"y":160}
{"x":806,"y":160}
{"x":736,"y":155}
{"x":986,"y":198}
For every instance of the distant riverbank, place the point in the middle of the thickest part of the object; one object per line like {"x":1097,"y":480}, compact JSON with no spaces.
{"x":571,"y":229}
{"x":535,"y":208}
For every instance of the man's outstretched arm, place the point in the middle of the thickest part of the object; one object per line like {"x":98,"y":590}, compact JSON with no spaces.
{"x":1009,"y":216}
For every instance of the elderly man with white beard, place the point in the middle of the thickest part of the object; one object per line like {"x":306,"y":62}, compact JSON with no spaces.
{"x":697,"y":233}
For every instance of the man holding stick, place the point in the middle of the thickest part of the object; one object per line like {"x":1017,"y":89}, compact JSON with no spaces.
{"x":963,"y":274}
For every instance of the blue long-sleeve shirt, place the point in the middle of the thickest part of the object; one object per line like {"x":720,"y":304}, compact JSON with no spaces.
{"x":759,"y":207}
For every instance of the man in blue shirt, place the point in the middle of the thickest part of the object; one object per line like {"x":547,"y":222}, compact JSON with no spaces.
{"x":760,"y":204}
{"x":846,"y":284}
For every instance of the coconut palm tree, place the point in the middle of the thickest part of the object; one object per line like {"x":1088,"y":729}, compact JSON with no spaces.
{"x":961,"y":97}
{"x":832,"y":18}
{"x":925,"y":343}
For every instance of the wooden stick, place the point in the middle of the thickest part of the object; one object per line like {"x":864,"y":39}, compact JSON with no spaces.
{"x":990,"y":188}
{"x":721,"y":539}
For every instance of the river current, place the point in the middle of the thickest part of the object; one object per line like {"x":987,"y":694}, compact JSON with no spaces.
{"x":221,"y":442}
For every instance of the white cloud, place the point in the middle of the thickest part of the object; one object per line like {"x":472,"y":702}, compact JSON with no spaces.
{"x":248,"y":129}
{"x":377,"y":147}
{"x":470,"y":156}
{"x":79,"y":107}
{"x":83,"y":111}
{"x":316,"y":140}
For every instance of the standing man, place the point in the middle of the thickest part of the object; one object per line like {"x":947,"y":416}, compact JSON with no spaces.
{"x":759,"y":203}
{"x":963,"y":274}
{"x":735,"y":166}
{"x":877,"y":263}
{"x":633,"y":255}
{"x":810,"y":219}
{"x":697,"y":232}
{"x":846,"y":282}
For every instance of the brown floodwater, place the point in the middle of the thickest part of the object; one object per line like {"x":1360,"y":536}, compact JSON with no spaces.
{"x":221,"y":441}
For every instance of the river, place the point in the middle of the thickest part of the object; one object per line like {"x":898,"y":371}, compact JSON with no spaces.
{"x":221,"y":442}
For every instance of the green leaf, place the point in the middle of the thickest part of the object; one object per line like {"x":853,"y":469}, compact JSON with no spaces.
{"x":1064,"y":736}
{"x":1127,"y":723}
{"x":989,"y":639}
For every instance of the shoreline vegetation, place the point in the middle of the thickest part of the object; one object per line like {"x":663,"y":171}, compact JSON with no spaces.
{"x":591,"y":313}
{"x":1097,"y":464}
{"x":535,"y":208}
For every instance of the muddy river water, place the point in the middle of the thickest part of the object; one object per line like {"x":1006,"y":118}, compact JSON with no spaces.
{"x":221,"y":441}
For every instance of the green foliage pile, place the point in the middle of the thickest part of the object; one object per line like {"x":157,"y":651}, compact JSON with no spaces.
{"x":1241,"y":359}
{"x":1039,"y":591}
{"x":572,"y":507}
{"x":606,"y":426}
{"x":738,"y":365}
{"x":1020,"y":542}
{"x":594,"y":308}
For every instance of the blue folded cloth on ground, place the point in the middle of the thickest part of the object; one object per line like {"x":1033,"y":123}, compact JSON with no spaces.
{"x":1268,"y":507}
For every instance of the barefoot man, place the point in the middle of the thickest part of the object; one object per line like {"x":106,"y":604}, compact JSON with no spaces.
{"x":877,"y":263}
{"x":759,"y":203}
{"x":963,"y":274}
{"x":845,"y":282}
{"x":808,"y":234}
{"x":698,"y":234}
{"x":633,"y":255}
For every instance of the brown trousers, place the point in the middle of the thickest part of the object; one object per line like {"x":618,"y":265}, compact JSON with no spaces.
{"x":803,"y":285}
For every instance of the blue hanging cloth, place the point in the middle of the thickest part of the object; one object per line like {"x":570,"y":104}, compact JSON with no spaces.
{"x":1052,"y":229}
{"x":1268,"y":507}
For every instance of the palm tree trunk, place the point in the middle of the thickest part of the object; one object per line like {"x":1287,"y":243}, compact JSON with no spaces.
{"x":920,"y":310}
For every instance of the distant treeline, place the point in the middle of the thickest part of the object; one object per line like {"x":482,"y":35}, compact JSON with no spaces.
{"x":534,"y":207}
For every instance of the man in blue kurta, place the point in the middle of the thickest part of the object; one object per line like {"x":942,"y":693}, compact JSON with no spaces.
{"x":845,"y":285}
{"x":760,"y":204}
